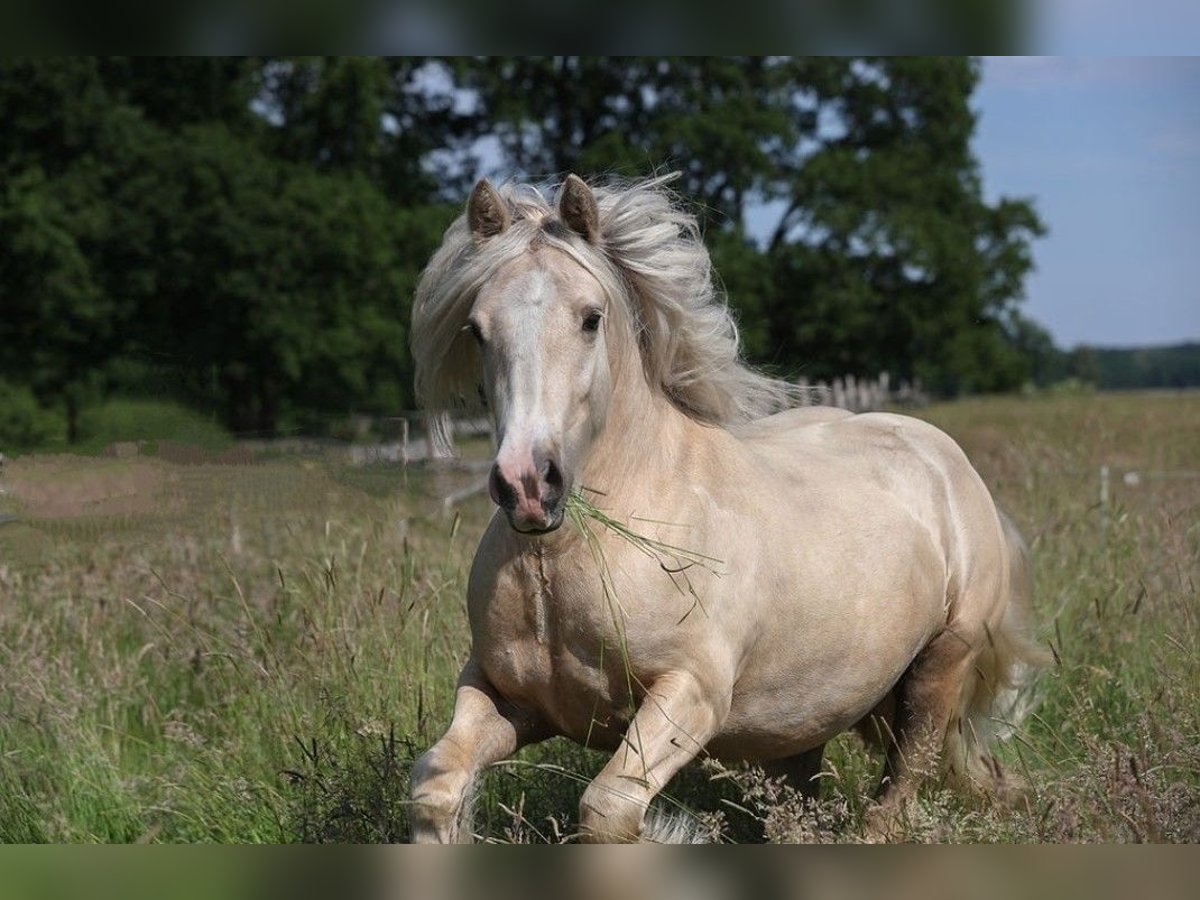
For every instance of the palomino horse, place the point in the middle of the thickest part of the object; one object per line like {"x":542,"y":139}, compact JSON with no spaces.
{"x":838,"y":565}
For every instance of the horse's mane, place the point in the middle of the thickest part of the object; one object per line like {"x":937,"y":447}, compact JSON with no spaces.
{"x":650,"y":255}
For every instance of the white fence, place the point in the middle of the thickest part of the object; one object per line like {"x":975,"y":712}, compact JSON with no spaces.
{"x":865,"y":394}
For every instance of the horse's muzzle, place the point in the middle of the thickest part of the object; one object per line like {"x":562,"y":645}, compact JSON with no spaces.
{"x":533,"y":496}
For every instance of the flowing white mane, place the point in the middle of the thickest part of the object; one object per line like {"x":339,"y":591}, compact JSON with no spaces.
{"x":650,"y":256}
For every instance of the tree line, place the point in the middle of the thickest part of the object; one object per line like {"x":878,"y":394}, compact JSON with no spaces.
{"x":245,"y":234}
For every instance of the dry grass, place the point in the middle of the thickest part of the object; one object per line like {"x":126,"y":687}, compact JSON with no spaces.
{"x":256,"y":652}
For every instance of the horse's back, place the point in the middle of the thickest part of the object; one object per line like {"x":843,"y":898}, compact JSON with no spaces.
{"x":789,"y":420}
{"x":814,"y":436}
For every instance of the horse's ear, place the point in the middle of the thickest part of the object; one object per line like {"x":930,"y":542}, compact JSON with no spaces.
{"x":577,"y":207}
{"x":487,"y":213}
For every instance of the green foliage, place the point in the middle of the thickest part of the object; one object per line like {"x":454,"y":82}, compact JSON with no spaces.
{"x":250,"y":230}
{"x":58,"y":322}
{"x":121,"y":419}
{"x":287,"y":281}
{"x":1108,"y":368}
{"x":374,"y":117}
{"x":24,"y":424}
{"x":888,"y":255}
{"x":1176,"y":366}
{"x":885,"y":256}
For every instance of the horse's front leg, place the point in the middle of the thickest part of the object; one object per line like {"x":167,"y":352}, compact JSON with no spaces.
{"x":676,"y":720}
{"x":486,"y":729}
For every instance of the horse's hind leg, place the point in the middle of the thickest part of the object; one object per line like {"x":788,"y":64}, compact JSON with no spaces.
{"x":486,"y":729}
{"x":928,"y":699}
{"x":800,"y":772}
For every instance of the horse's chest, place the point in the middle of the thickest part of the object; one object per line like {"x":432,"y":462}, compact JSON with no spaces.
{"x":542,"y":638}
{"x":528,"y":603}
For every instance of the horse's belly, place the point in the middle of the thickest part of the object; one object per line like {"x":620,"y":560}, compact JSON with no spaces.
{"x":789,"y":703}
{"x":804,"y":686}
{"x":838,"y":630}
{"x":759,"y":729}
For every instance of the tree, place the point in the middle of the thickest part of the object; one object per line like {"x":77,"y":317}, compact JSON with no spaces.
{"x":885,"y":255}
{"x":888,"y":239}
{"x":175,"y":91}
{"x":283,"y":284}
{"x":65,"y":146}
{"x":57,"y":330}
{"x":380,"y":118}
{"x":730,"y":125}
{"x":159,"y":217}
{"x":253,"y":228}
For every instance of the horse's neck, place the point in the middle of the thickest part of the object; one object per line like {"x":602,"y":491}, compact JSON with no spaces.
{"x":641,"y":442}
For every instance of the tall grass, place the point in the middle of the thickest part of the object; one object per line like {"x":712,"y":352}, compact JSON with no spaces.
{"x":256,"y":653}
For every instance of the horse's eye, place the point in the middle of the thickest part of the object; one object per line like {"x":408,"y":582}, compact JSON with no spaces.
{"x":473,"y":327}
{"x":591,"y":322}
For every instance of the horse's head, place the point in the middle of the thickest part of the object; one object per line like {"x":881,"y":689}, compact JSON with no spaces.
{"x":539,"y":322}
{"x":562,"y":310}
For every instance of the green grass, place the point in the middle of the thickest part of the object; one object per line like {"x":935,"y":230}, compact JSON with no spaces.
{"x":256,"y":653}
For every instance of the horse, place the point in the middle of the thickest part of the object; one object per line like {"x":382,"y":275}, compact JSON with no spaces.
{"x":770,"y":573}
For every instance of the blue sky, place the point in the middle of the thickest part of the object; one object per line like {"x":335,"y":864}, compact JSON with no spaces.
{"x":1113,"y":27}
{"x":1109,"y":149}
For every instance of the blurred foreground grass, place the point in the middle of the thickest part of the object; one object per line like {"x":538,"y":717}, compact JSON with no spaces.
{"x":255,"y":652}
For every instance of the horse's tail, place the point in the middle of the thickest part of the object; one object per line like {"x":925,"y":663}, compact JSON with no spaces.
{"x":1000,"y":695}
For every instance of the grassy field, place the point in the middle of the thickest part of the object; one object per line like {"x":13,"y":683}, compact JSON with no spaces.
{"x":223,"y":652}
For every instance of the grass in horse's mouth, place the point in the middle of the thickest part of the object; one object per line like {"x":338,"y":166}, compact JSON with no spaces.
{"x":673,"y":559}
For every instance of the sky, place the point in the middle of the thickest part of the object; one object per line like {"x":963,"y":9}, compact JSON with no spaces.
{"x":1114,"y":27}
{"x":1109,"y":150}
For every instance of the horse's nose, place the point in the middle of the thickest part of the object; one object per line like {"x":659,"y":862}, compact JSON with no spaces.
{"x":551,"y":479}
{"x":503,"y":493}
